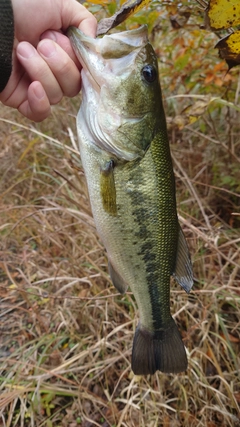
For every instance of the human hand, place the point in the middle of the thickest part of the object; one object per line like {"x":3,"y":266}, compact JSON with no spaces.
{"x":45,"y":67}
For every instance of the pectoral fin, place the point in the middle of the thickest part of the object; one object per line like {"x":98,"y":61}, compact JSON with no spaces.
{"x":117,"y":280}
{"x":183,"y":273}
{"x":107,"y":188}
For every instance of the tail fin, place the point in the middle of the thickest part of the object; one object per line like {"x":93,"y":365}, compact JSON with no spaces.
{"x":159,"y":350}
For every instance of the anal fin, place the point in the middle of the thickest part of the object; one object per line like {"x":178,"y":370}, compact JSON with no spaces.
{"x":183,"y":272}
{"x":117,"y":279}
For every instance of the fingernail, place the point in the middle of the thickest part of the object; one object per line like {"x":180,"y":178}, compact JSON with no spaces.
{"x":47,"y":48}
{"x":26,"y":50}
{"x":38,"y":91}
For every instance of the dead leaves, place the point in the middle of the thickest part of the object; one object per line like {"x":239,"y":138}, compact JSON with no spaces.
{"x":180,"y":18}
{"x":195,"y":110}
{"x":128,"y":8}
{"x":219,"y":15}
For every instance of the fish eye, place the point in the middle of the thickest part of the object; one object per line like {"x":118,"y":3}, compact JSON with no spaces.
{"x":149,"y":73}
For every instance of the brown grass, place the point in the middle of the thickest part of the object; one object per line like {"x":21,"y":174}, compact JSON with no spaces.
{"x":66,"y":335}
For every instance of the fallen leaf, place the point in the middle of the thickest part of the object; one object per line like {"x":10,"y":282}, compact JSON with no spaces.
{"x":179,"y":19}
{"x":128,"y":8}
{"x":231,"y":338}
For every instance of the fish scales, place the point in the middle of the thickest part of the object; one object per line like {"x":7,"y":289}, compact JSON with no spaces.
{"x":126,"y":158}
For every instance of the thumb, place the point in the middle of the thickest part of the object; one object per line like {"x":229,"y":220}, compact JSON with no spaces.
{"x":73,"y":13}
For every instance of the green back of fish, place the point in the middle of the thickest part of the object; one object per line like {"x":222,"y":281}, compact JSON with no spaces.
{"x":152,"y":214}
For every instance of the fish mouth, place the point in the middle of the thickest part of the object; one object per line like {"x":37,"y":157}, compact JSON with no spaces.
{"x":87,"y":52}
{"x":97,"y":56}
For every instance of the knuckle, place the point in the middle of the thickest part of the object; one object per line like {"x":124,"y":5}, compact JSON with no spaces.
{"x":55,"y":99}
{"x":65,"y":66}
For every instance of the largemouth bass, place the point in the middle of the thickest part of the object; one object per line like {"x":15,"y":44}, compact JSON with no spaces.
{"x":126,"y":158}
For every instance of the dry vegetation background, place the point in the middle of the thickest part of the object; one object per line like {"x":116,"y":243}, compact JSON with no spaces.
{"x":66,"y":335}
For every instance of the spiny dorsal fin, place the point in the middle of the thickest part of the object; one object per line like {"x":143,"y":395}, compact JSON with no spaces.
{"x":183,"y":272}
{"x":117,"y":280}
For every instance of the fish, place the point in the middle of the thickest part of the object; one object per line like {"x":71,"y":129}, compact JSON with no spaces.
{"x":126,"y":158}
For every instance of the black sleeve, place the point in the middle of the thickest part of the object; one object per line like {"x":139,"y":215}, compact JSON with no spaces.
{"x":6,"y":41}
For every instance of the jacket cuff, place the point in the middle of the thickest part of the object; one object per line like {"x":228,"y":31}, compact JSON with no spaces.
{"x":6,"y":41}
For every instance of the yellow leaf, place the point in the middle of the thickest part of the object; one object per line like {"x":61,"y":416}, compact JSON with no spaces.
{"x":192,"y":119}
{"x":28,"y":148}
{"x":64,"y":346}
{"x":101,"y":2}
{"x":223,"y":14}
{"x":134,"y":6}
{"x":229,"y":49}
{"x":12,"y":286}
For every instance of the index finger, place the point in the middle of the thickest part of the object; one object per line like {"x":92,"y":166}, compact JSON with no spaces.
{"x":64,"y":42}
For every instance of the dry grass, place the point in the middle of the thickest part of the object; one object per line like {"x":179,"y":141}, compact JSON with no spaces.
{"x":66,"y":335}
